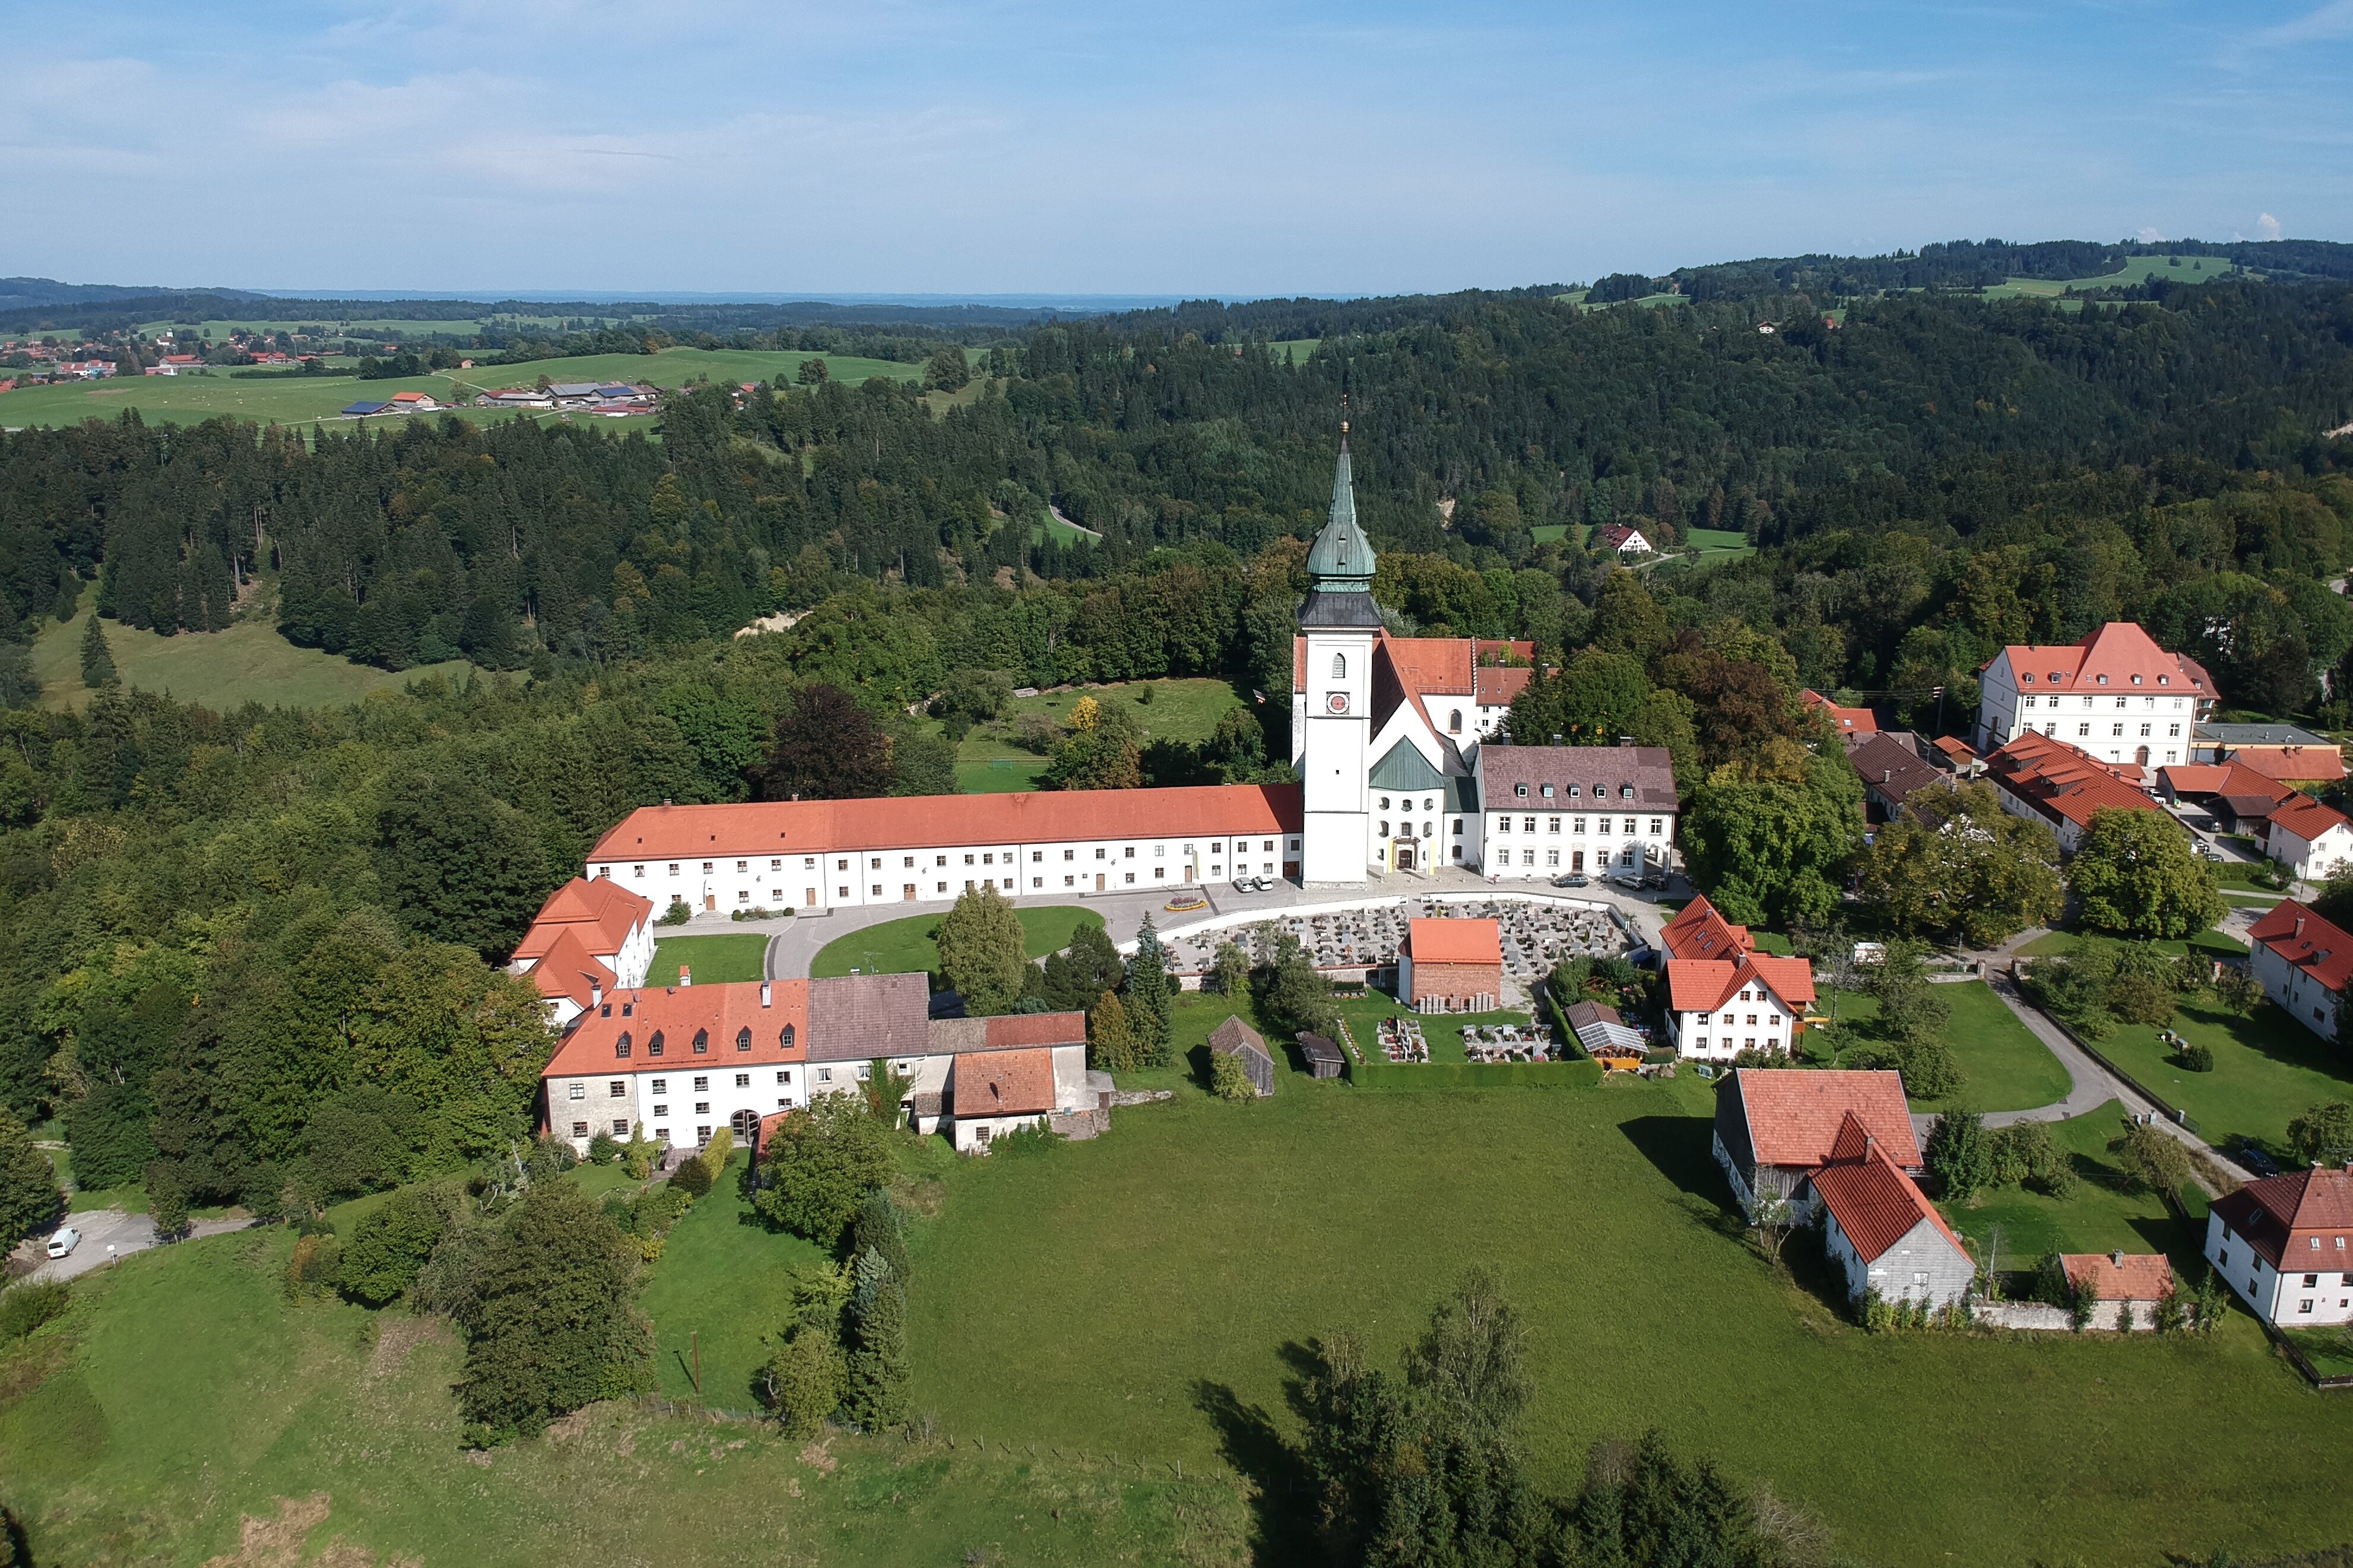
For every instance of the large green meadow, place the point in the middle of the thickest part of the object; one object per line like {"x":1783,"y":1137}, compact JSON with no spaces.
{"x":247,"y":662}
{"x":301,"y":399}
{"x":1146,"y":1295}
{"x":1185,"y":709}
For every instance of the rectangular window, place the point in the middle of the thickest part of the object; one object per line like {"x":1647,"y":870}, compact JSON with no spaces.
{"x":785,"y":1078}
{"x":1036,"y":855}
{"x":620,"y":1127}
{"x":1629,"y":825}
{"x":842,"y":865}
{"x":661,"y":1110}
{"x":580,"y":1130}
{"x":743,"y":1080}
{"x":1129,"y":851}
{"x":637,"y":871}
{"x":2083,"y":730}
{"x":673,"y":869}
{"x":776,"y":865}
{"x":1552,"y":824}
{"x":909,"y":861}
{"x":1552,"y":857}
{"x":706,"y":867}
{"x":702,"y":1086}
{"x":743,"y":865}
{"x":1527,"y":824}
{"x":1131,"y":877}
{"x":988,"y":860}
{"x":809,"y":862}
{"x":1503,"y":825}
{"x":1527,"y":856}
{"x":579,"y":1090}
{"x":616,"y":1089}
{"x":662,"y":1134}
{"x":1658,"y":826}
{"x":1101,"y":852}
{"x":1037,"y":881}
{"x":1070,"y":854}
{"x":661,"y":1086}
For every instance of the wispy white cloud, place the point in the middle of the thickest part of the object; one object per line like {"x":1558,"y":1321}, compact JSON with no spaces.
{"x":2267,"y":227}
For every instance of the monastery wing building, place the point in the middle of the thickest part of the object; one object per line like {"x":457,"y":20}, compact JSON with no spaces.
{"x":1399,"y":743}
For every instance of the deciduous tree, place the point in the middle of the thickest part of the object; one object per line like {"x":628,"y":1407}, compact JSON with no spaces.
{"x":1958,"y":868}
{"x":821,"y":1164}
{"x":982,"y":951}
{"x":2135,"y":874}
{"x":826,"y":747}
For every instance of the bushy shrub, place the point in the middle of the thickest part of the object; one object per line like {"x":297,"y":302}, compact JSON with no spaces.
{"x":550,"y":1157}
{"x":604,"y":1149}
{"x":1227,"y":1079}
{"x":678,"y":914}
{"x":2195,"y":1056}
{"x":691,"y":1178}
{"x":803,"y":1382}
{"x":390,"y":1243}
{"x":27,"y":1307}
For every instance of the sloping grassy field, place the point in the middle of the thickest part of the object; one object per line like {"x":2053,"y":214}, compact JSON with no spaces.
{"x":223,"y":669}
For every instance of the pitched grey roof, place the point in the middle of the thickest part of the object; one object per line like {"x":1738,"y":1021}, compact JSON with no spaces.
{"x":858,"y":1016}
{"x":1233,"y":1034}
{"x":1581,"y":778}
{"x":1892,"y":766}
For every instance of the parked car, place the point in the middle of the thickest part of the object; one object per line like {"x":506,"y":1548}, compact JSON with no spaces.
{"x":1656,"y":881}
{"x":64,"y":1242}
{"x":2208,"y":852}
{"x":2250,"y":1154}
{"x":1571,"y":880}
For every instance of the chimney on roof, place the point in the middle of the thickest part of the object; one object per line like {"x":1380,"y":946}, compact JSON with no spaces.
{"x":685,"y":975}
{"x":595,"y":994}
{"x":764,"y":993}
{"x":2299,"y":925}
{"x":2117,"y":1257}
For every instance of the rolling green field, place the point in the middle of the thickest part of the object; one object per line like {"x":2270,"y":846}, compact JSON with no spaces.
{"x":2103,"y":1215}
{"x":1181,"y":710}
{"x":326,"y":1424}
{"x":2268,"y":1070}
{"x":2137,"y":269}
{"x":1719,"y":543}
{"x":2006,"y":1067}
{"x":711,"y":959}
{"x":187,"y":399}
{"x":1218,"y":1237}
{"x":1297,"y":351}
{"x":249,"y":661}
{"x":721,"y":1288}
{"x":905,"y":947}
{"x":1546,"y":532}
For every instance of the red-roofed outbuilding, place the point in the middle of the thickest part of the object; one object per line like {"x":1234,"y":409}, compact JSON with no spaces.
{"x":1451,"y":965}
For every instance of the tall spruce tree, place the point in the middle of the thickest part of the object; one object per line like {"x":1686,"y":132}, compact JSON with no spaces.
{"x":97,"y":660}
{"x":1150,"y":993}
{"x":876,"y":1393}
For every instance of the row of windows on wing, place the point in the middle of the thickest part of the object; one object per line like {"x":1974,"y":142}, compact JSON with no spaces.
{"x":1242,"y":846}
{"x":654,"y":1044}
{"x":2122,"y":702}
{"x":1552,"y":824}
{"x":1600,"y":792}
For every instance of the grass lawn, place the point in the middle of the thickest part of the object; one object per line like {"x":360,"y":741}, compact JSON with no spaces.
{"x":2330,"y":1351}
{"x":1719,"y":543}
{"x":221,"y":670}
{"x":2101,"y":1217}
{"x":183,"y":1391}
{"x":187,"y":399}
{"x":1546,"y":532}
{"x":905,"y":947}
{"x":989,"y":763}
{"x":722,"y":1285}
{"x":1218,"y":1238}
{"x":1296,"y":350}
{"x":1443,"y":1031}
{"x":2052,"y":943}
{"x":2004,"y":1065}
{"x":710,"y":959}
{"x":2268,"y":1070}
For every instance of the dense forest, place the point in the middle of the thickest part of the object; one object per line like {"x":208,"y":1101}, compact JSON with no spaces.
{"x":250,"y":956}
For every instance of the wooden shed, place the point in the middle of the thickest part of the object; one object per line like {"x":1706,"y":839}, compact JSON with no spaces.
{"x":1324,"y":1057}
{"x":1235,"y":1039}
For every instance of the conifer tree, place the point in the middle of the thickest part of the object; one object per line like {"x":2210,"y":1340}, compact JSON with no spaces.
{"x":877,"y":1383}
{"x":97,"y":660}
{"x":1110,"y":1042}
{"x":1149,"y":993}
{"x":29,"y":1199}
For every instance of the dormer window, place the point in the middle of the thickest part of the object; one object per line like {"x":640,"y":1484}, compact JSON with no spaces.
{"x":1572,"y":792}
{"x":1547,"y":792}
{"x":2055,"y":678}
{"x":702,"y":1042}
{"x":2165,"y":681}
{"x":2027,"y":678}
{"x":787,"y":1037}
{"x":1625,"y":792}
{"x":621,"y":1045}
{"x":654,"y":1045}
{"x":2101,"y":678}
{"x":1520,"y":790}
{"x":744,"y":1039}
{"x":2135,"y":681}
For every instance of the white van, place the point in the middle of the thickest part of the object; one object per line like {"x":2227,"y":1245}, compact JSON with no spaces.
{"x":64,"y":1242}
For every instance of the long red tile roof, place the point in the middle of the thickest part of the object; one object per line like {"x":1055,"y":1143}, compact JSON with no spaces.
{"x":1701,"y":931}
{"x":1876,"y":1204}
{"x":2307,"y":941}
{"x":2062,"y":780}
{"x":2315,"y":764}
{"x":1052,"y":816}
{"x":1794,"y":1114}
{"x":737,"y":1029}
{"x":2118,"y":651}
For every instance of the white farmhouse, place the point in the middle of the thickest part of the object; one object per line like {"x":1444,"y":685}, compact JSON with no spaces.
{"x":2315,"y":842}
{"x":2304,"y":963}
{"x":2282,"y":1244}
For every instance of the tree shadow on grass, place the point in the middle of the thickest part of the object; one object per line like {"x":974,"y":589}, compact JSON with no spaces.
{"x":1682,"y":1149}
{"x":1283,"y":1528}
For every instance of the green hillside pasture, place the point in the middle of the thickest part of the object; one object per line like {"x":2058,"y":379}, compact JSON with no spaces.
{"x":722,"y":1288}
{"x":989,"y":763}
{"x":328,"y":1422}
{"x":303,"y":400}
{"x":1297,"y":351}
{"x":1719,"y":543}
{"x":221,"y":670}
{"x":1546,"y":532}
{"x":2137,"y":269}
{"x":2006,"y":1067}
{"x":1219,"y":1237}
{"x":711,"y":959}
{"x":905,"y":947}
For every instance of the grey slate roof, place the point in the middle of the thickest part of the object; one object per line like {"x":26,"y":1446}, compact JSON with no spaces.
{"x":1233,"y":1034}
{"x":858,"y":1016}
{"x":2260,"y":735}
{"x":1582,"y":778}
{"x":1891,"y":765}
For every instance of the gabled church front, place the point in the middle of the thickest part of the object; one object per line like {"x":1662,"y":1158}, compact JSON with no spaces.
{"x":1400,"y":747}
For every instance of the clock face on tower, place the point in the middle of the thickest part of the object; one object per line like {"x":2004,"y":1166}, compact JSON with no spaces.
{"x":1338,"y":702}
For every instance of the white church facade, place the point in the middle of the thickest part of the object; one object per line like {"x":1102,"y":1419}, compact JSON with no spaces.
{"x":1400,"y":745}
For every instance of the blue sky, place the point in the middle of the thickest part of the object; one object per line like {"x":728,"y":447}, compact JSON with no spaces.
{"x":1210,"y":147}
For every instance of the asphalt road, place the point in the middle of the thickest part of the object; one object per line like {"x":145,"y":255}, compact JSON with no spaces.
{"x":100,"y":1230}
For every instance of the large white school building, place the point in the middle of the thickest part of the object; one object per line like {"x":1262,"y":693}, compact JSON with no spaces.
{"x":1400,"y":746}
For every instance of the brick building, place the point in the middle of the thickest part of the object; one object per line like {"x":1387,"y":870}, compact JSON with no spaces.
{"x":1451,"y":966}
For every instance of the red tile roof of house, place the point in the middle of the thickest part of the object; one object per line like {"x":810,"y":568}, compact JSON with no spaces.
{"x":1004,"y":1083}
{"x":567,"y":968}
{"x":2302,"y":765}
{"x":1703,"y":985}
{"x":1849,"y":720}
{"x":1045,"y":817}
{"x":2118,"y":650}
{"x":1020,"y":1029}
{"x":735,"y":1029}
{"x":2194,"y":778}
{"x":2307,"y":941}
{"x":1700,"y":931}
{"x":2063,"y":781}
{"x":1794,"y":1114}
{"x":1959,"y":751}
{"x":1454,"y":941}
{"x":2280,"y":1216}
{"x":1618,"y":535}
{"x":1875,"y":1203}
{"x":2120,"y":1277}
{"x":604,"y":911}
{"x":2307,"y":818}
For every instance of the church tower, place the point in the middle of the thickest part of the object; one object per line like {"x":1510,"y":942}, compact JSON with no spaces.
{"x":1340,"y":623}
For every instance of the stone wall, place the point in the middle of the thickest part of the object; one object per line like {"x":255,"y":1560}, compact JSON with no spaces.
{"x":2041,"y":1317}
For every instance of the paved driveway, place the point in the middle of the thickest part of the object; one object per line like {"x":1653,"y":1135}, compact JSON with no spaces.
{"x":100,"y":1230}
